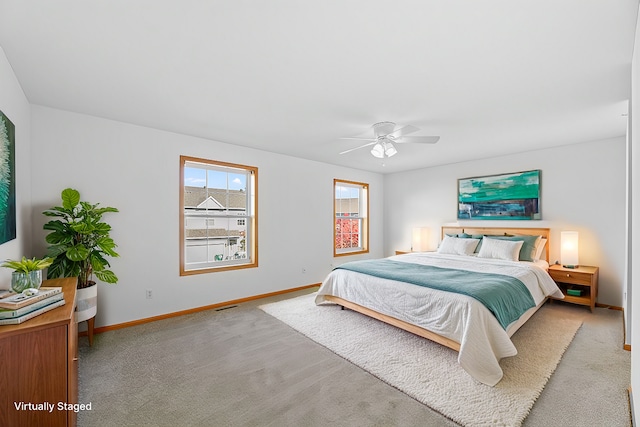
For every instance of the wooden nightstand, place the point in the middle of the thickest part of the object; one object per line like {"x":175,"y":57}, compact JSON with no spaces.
{"x":402,"y":252}
{"x":583,"y":278}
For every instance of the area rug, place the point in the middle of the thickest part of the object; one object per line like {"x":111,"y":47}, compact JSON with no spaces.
{"x":429,"y":372}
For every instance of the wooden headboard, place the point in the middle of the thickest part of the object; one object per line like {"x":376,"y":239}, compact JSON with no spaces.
{"x":501,"y":231}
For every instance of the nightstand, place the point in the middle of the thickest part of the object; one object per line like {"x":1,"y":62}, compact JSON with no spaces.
{"x":583,"y":280}
{"x":403,"y":252}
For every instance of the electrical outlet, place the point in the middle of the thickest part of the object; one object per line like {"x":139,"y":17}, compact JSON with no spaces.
{"x":149,"y":294}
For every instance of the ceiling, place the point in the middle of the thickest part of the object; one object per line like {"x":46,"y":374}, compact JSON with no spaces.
{"x":489,"y":77}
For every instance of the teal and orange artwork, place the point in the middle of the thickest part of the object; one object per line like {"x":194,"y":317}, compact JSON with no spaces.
{"x":7,"y":179}
{"x":506,"y":196}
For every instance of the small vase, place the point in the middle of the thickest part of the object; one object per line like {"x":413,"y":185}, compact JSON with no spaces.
{"x":21,"y":281}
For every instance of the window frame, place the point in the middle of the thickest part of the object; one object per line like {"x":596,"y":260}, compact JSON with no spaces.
{"x":252,"y":217}
{"x":363,"y":195}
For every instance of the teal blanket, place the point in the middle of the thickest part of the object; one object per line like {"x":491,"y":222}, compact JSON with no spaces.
{"x":505,"y":296}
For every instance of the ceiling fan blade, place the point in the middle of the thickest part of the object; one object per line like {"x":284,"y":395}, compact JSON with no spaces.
{"x":405,"y":130}
{"x":357,"y":148}
{"x":418,"y":139}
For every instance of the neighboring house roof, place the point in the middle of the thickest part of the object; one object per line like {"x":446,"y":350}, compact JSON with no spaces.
{"x":212,"y":232}
{"x":214,"y":198}
{"x":210,"y":203}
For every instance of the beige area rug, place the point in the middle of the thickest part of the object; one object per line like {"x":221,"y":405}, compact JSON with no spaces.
{"x":429,"y":372}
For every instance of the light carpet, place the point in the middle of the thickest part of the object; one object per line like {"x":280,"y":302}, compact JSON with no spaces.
{"x":429,"y":372}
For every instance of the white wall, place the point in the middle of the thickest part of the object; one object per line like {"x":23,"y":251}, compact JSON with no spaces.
{"x":627,"y":297}
{"x":635,"y":224}
{"x":582,"y":188}
{"x":15,"y":106}
{"x":136,"y":170}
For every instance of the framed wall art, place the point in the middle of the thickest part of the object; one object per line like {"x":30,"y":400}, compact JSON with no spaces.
{"x":514,"y":196}
{"x":7,"y":179}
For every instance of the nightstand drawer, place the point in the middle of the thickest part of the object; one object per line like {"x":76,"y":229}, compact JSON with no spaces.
{"x":573,"y":277}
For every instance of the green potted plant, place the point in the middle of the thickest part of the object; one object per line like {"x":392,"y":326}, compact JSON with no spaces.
{"x":79,"y":244}
{"x":27,"y":272}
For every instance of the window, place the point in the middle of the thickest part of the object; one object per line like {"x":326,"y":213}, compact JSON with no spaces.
{"x":218,"y":216}
{"x":351,"y":212}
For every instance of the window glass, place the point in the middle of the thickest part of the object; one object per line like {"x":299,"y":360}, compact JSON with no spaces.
{"x":351,"y":211}
{"x":218,"y":221}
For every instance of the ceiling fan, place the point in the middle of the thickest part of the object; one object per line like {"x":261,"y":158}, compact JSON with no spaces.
{"x":385,"y":134}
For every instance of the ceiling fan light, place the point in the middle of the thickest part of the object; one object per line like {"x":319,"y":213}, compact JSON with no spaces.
{"x":378,"y":151}
{"x":390,"y":150}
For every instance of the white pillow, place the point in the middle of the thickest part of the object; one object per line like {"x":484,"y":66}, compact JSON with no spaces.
{"x":457,"y":246}
{"x":541,"y":243}
{"x":500,"y":249}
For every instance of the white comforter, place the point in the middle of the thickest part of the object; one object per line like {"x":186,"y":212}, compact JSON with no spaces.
{"x":483,"y":342}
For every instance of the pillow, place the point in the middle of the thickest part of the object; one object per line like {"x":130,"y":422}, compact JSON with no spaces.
{"x":461,"y":235}
{"x":528,"y":250}
{"x":539,"y":248}
{"x":469,"y":236}
{"x":479,"y":237}
{"x":500,"y":249}
{"x":457,"y":246}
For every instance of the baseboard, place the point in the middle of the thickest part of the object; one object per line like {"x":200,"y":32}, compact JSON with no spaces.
{"x":625,"y":346}
{"x":610,"y":307}
{"x":631,"y":413}
{"x":194,"y":310}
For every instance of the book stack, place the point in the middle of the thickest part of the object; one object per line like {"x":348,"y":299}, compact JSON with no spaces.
{"x":18,"y":308}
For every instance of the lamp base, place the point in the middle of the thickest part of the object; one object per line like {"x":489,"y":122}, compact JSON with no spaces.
{"x":570,"y":266}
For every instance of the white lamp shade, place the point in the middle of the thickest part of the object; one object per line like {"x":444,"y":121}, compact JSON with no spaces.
{"x":569,"y":248}
{"x":390,"y":150}
{"x":420,"y":239}
{"x":378,"y":151}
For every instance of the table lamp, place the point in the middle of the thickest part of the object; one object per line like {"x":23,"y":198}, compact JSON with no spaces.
{"x":569,"y":249}
{"x":420,"y":239}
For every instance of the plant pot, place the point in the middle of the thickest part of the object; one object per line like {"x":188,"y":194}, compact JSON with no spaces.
{"x":87,"y":303}
{"x":21,"y":281}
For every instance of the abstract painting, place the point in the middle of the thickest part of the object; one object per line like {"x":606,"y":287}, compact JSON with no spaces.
{"x":7,"y":180}
{"x":506,"y":196}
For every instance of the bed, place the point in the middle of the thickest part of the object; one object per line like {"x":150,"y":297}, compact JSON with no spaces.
{"x":391,"y":290}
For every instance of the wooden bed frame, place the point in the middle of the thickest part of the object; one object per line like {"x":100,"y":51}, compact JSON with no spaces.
{"x":488,"y":231}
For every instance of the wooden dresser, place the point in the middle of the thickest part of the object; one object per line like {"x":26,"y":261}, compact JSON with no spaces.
{"x":39,"y":364}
